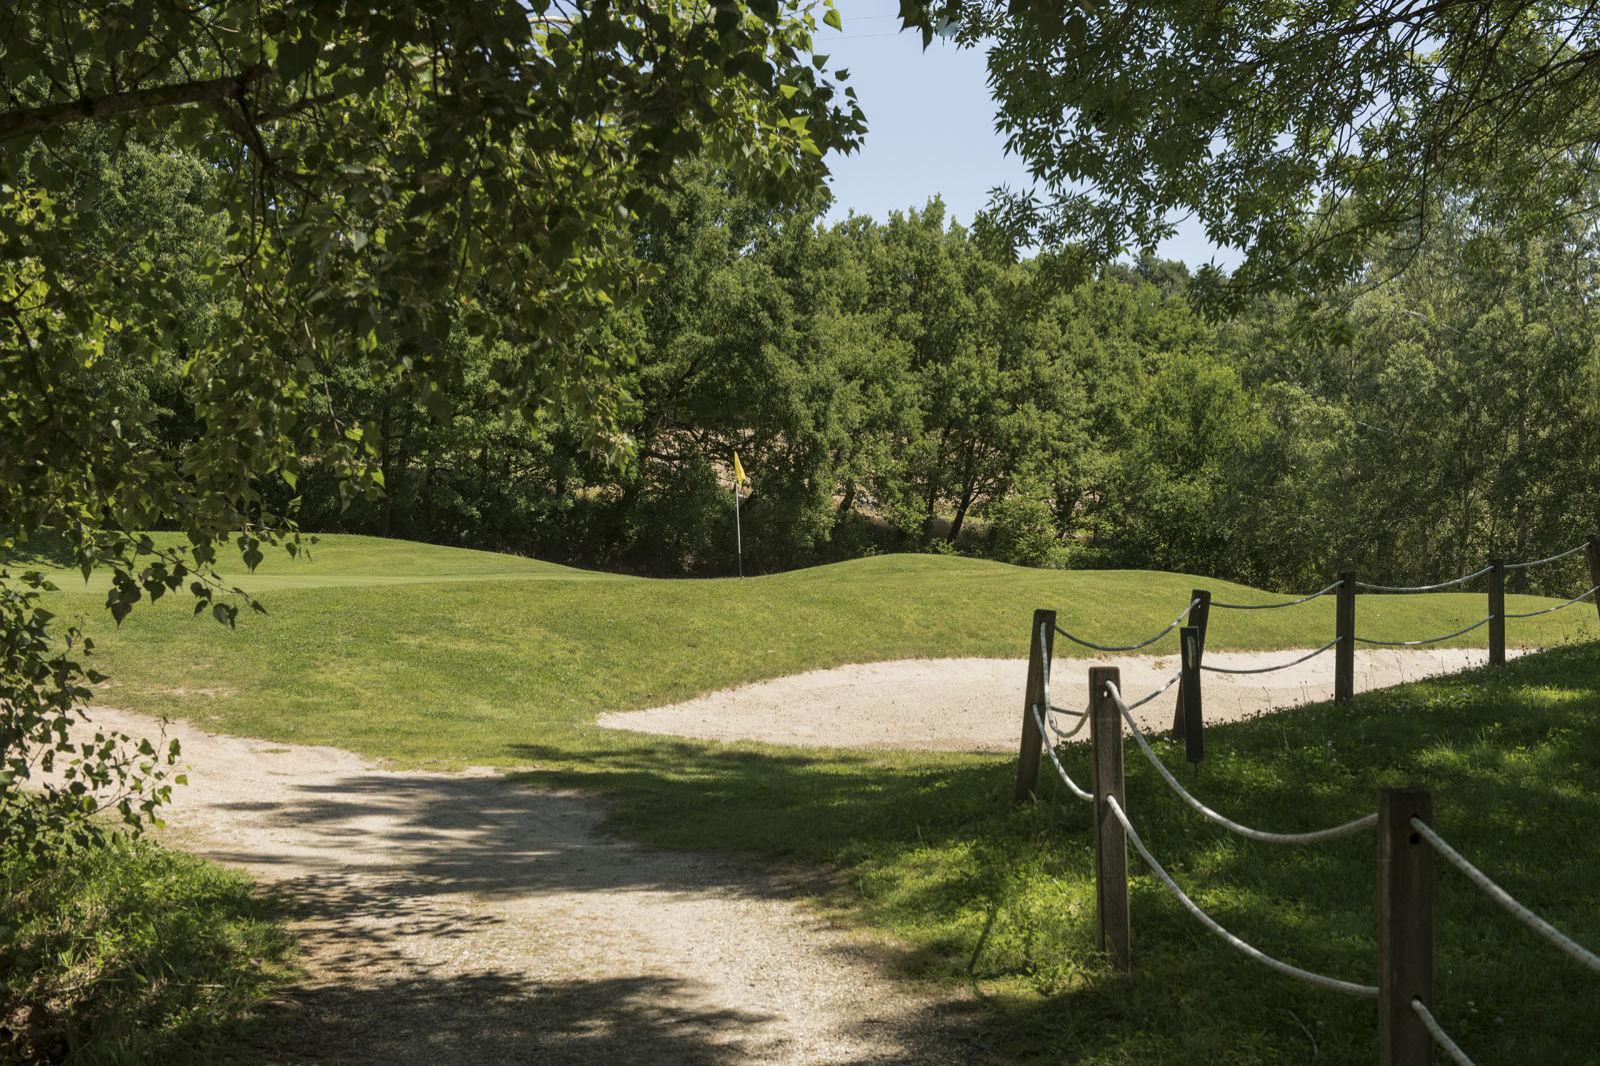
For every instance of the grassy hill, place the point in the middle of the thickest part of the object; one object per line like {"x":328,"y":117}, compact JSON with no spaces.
{"x":425,"y":654}
{"x":476,"y":658}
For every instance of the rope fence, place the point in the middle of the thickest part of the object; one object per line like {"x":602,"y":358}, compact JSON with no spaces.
{"x":1141,"y":701}
{"x":1548,"y":610}
{"x":1176,"y":622}
{"x":1061,"y":771}
{"x":1426,"y":640}
{"x":1408,"y":1031}
{"x":1367,"y":586}
{"x":1281,"y":603}
{"x":1555,"y":937}
{"x":1063,"y":736}
{"x":1307,"y":657}
{"x":1440,"y":1037}
{"x":1574,"y":550}
{"x":1331,"y":984}
{"x":1314,"y":837}
{"x":1345,"y":588}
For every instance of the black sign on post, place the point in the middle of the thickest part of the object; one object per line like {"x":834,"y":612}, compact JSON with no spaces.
{"x":1194,"y":726}
{"x":1199,"y":615}
{"x":1041,"y":644}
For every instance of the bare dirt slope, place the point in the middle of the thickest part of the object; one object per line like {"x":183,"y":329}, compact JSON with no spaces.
{"x":458,"y":918}
{"x":976,"y":704}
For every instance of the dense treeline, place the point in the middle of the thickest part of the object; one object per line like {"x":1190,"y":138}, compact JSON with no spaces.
{"x":912,"y":384}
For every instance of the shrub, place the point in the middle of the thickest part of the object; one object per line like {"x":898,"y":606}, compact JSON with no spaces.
{"x":1022,"y":530}
{"x":123,"y":951}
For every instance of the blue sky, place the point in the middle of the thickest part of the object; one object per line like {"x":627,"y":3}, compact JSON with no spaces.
{"x":931,"y":126}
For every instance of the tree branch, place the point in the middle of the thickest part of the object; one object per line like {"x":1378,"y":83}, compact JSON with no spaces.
{"x":25,"y":122}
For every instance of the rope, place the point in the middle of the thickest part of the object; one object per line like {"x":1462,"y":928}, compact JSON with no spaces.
{"x":1269,"y":669}
{"x":1083,"y":716}
{"x":1440,"y":1037}
{"x":1332,"y":984}
{"x":1066,"y":778}
{"x":1173,"y":680}
{"x":1314,"y":837}
{"x":1061,"y":738}
{"x":1423,"y":588}
{"x":1575,"y":549}
{"x":1582,"y":955}
{"x":1429,"y":640}
{"x":1052,"y":709}
{"x":1275,"y":606}
{"x":1557,"y":607}
{"x":1130,"y":647}
{"x":1044,"y":735}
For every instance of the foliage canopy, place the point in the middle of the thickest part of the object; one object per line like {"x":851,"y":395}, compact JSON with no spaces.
{"x":352,"y":184}
{"x":1297,"y":131}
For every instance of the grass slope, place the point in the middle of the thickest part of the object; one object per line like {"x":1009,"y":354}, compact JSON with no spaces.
{"x":927,"y":846}
{"x":344,"y":561}
{"x":435,"y":655}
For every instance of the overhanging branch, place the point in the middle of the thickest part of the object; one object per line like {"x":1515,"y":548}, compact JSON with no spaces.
{"x":28,"y":121}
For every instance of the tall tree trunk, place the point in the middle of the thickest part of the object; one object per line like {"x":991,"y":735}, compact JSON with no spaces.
{"x":969,"y":483}
{"x":849,"y":499}
{"x":961,"y":516}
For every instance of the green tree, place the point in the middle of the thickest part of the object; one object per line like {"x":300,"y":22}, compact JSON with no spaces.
{"x":1478,"y":366}
{"x":385,"y":178}
{"x":1250,"y":115}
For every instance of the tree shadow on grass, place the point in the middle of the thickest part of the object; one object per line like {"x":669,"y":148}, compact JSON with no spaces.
{"x":929,"y":846}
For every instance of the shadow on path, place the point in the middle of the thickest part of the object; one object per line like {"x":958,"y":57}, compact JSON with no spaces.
{"x":463,"y":918}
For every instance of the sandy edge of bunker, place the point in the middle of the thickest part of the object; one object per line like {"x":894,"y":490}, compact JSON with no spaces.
{"x":977,"y":704}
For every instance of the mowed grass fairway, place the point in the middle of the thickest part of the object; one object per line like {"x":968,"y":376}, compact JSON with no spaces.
{"x":429,"y":656}
{"x":441,"y":656}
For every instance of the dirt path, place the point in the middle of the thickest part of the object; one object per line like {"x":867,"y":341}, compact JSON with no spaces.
{"x":458,"y":918}
{"x":455,"y":918}
{"x":976,"y":704}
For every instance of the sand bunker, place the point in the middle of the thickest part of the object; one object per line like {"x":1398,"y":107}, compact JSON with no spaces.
{"x":976,"y":704}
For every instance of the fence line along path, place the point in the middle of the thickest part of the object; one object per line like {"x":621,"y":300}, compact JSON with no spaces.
{"x":1409,"y":1032}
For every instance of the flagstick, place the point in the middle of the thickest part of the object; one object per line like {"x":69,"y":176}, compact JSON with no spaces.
{"x":738,"y":533}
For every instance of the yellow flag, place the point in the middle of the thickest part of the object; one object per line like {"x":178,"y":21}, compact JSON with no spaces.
{"x":739,"y":478}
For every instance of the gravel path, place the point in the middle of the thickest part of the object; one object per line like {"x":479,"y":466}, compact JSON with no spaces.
{"x":456,"y":918}
{"x":976,"y":704}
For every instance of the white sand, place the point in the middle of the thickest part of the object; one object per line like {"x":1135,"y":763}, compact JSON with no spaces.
{"x":977,"y":704}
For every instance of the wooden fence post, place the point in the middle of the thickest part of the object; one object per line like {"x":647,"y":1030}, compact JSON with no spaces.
{"x":1110,"y":840}
{"x":1041,"y":642}
{"x":1344,"y":652}
{"x":1497,"y":612}
{"x":1198,"y":618}
{"x":1190,"y":708}
{"x":1593,"y":555}
{"x":1405,"y":927}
